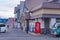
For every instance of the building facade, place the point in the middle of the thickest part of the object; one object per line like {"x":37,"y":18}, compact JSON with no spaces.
{"x":17,"y":16}
{"x":47,"y":12}
{"x":10,"y":23}
{"x":18,"y":11}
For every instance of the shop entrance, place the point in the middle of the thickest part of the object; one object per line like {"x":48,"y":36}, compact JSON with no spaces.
{"x":46,"y":23}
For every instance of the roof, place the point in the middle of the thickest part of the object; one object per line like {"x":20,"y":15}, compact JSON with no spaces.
{"x":47,"y":5}
{"x":30,"y":4}
{"x":51,"y":5}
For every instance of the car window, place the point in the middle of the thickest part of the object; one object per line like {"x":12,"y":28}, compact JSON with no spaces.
{"x":54,"y":25}
{"x":2,"y":25}
{"x":58,"y":25}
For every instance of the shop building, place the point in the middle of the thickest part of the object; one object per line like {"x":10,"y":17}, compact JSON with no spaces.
{"x":47,"y":12}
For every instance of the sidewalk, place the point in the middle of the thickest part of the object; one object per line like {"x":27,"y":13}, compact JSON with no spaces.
{"x":36,"y":34}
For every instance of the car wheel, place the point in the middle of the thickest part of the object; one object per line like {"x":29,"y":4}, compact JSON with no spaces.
{"x":57,"y":35}
{"x":4,"y":31}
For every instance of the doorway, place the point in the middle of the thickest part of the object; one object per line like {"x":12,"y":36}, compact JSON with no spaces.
{"x":47,"y":24}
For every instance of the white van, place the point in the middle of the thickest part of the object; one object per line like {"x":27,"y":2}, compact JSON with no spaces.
{"x":3,"y":28}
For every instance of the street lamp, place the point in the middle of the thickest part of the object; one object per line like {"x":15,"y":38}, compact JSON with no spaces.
{"x":27,"y":11}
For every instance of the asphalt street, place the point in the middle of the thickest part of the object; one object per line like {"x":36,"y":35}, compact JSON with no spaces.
{"x":16,"y":34}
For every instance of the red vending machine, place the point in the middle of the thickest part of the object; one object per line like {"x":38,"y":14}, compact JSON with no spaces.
{"x":37,"y":28}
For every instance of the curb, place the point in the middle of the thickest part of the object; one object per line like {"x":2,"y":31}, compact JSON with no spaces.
{"x":36,"y":34}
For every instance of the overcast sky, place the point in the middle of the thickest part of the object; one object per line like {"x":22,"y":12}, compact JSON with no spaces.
{"x":7,"y":7}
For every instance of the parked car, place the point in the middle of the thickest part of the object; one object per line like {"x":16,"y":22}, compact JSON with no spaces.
{"x":55,"y":31}
{"x":3,"y":28}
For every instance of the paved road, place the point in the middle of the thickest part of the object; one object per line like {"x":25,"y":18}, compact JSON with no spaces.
{"x":16,"y":34}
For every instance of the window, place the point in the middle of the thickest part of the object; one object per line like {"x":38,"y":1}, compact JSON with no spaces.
{"x":2,"y":25}
{"x":58,"y":26}
{"x":55,"y":1}
{"x":58,"y":20}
